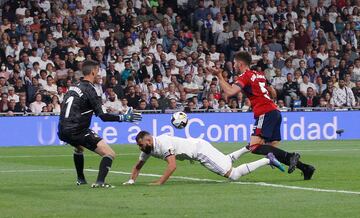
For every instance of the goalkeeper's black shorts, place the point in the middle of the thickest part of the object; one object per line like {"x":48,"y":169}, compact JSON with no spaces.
{"x":87,"y":138}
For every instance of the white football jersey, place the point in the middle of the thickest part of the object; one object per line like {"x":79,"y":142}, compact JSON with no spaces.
{"x":182,"y":148}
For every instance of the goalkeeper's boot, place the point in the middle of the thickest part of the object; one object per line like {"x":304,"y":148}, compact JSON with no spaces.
{"x":102,"y":185}
{"x":294,"y":159}
{"x":308,"y":172}
{"x":81,"y":181}
{"x":274,"y":162}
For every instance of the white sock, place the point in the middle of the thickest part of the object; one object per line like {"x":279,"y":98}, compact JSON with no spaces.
{"x":236,"y":154}
{"x":247,"y":168}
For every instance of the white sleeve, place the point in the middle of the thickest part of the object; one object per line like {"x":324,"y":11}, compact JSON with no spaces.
{"x":143,"y":156}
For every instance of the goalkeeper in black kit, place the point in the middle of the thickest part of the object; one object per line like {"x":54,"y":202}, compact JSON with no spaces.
{"x":77,"y":108}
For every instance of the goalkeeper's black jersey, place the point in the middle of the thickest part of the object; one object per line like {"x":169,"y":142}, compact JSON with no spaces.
{"x":78,"y":106}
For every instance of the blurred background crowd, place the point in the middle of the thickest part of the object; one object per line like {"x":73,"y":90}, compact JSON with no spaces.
{"x":154,"y":54}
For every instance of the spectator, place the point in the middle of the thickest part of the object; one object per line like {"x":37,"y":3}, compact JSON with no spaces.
{"x":152,"y":91}
{"x":44,"y":61}
{"x":234,"y":105}
{"x":191,"y":89}
{"x":305,"y":85}
{"x":247,"y":105}
{"x":278,"y":61}
{"x":19,"y":87}
{"x":37,"y":106}
{"x":132,"y":98}
{"x":12,"y":95}
{"x":348,"y":82}
{"x":61,"y":73}
{"x":190,"y":107}
{"x":21,"y":106}
{"x":223,"y":107}
{"x":288,"y":68}
{"x":173,"y":107}
{"x":356,"y":72}
{"x":50,"y":87}
{"x":320,"y":86}
{"x":154,"y":104}
{"x":213,"y":102}
{"x":112,"y":104}
{"x":278,"y":82}
{"x":291,"y":90}
{"x":116,"y":87}
{"x":55,"y":102}
{"x":4,"y":103}
{"x":112,"y":72}
{"x":148,"y":69}
{"x":206,"y":105}
{"x":163,"y":100}
{"x":126,"y":73}
{"x":281,"y":105}
{"x":343,"y":96}
{"x":11,"y":107}
{"x":356,"y":91}
{"x":124,"y":105}
{"x":142,"y":105}
{"x":310,"y":100}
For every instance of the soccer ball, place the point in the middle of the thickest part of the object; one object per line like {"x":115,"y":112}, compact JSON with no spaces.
{"x":179,"y":120}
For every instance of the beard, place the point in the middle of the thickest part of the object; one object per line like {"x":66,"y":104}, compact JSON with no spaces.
{"x":147,"y":150}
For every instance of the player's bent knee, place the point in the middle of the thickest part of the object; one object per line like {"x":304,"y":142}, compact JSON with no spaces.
{"x":111,"y":154}
{"x":256,"y":140}
{"x":275,"y":143}
{"x":253,"y":147}
{"x":79,"y":150}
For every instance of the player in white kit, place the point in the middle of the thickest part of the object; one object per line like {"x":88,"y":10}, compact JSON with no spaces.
{"x":172,"y":148}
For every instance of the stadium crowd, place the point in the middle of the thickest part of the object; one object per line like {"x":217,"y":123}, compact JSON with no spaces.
{"x":155,"y":54}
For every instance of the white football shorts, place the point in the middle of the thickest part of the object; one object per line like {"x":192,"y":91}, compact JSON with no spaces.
{"x":213,"y":159}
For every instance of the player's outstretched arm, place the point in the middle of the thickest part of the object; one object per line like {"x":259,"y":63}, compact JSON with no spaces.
{"x":129,"y":116}
{"x":135,"y":172}
{"x":225,"y":86}
{"x":171,"y":167}
{"x":95,"y":102}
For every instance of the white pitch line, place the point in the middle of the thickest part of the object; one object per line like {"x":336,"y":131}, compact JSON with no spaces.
{"x":32,"y":171}
{"x":131,"y":154}
{"x":243,"y":183}
{"x":198,"y":179}
{"x":59,"y":155}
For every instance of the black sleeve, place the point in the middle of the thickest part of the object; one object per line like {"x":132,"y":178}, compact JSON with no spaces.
{"x":109,"y":117}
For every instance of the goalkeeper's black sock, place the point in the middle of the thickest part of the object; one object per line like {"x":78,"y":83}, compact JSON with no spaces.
{"x":79,"y":165}
{"x":281,"y":155}
{"x":104,"y":168}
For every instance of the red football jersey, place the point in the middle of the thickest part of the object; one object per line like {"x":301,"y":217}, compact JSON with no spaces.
{"x":255,"y":86}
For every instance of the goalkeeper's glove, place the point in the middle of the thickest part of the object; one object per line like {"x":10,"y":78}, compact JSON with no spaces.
{"x":130,"y":116}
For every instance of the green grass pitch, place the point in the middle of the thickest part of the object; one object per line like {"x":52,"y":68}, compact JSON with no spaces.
{"x":40,"y":182}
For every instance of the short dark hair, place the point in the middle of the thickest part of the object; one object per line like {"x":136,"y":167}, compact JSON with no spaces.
{"x":141,"y":135}
{"x":88,"y":66}
{"x":243,"y":56}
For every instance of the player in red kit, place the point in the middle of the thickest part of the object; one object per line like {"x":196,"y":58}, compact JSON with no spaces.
{"x":266,"y":133}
